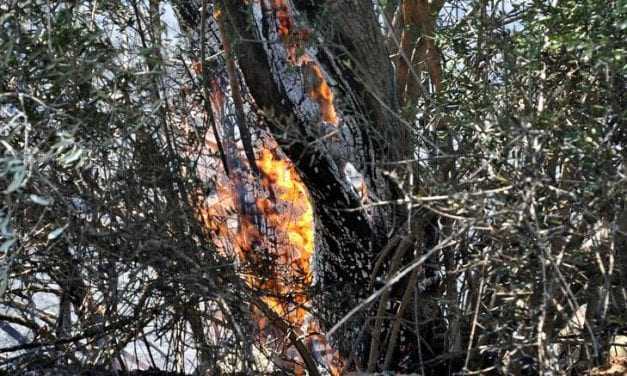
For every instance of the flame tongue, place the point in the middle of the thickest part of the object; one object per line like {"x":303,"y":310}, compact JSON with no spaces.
{"x":279,"y":243}
{"x":280,"y":249}
{"x":294,"y":40}
{"x":292,"y":218}
{"x":291,"y":189}
{"x":321,"y":93}
{"x":283,"y":18}
{"x":296,"y":222}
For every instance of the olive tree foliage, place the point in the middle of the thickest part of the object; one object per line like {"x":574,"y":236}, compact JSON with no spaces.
{"x":534,"y":104}
{"x":497,"y":157}
{"x":101,"y":242}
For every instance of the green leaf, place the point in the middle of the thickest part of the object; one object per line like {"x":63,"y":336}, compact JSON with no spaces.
{"x":4,"y":248}
{"x":19,"y":178}
{"x":39,"y":200}
{"x":55,"y":234}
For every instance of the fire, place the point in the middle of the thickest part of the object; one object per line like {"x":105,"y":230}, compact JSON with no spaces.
{"x":297,"y":225}
{"x":321,"y":93}
{"x":288,"y":214}
{"x":275,"y":245}
{"x":283,"y":16}
{"x":294,"y":39}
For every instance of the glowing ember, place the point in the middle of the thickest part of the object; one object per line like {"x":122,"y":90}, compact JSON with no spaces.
{"x":294,"y":39}
{"x":321,"y":93}
{"x":283,"y":16}
{"x":275,"y":244}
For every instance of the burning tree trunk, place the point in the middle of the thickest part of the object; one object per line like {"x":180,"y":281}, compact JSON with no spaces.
{"x":322,"y":82}
{"x":344,"y":192}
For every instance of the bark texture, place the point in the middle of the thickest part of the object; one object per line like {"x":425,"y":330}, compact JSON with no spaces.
{"x":324,"y":85}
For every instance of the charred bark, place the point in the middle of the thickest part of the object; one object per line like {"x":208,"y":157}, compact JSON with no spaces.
{"x":348,"y":51}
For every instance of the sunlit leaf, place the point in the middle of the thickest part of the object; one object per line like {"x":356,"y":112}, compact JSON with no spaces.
{"x":55,"y":233}
{"x":39,"y":200}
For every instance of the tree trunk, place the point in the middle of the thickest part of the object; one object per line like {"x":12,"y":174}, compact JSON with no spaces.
{"x":325,"y":87}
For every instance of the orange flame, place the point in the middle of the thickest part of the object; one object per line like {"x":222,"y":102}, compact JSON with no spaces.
{"x":294,"y":39}
{"x":321,"y":93}
{"x":297,"y":225}
{"x":283,"y":16}
{"x":285,"y":233}
{"x":290,"y":216}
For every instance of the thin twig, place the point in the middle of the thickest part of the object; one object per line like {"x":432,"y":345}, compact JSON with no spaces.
{"x":443,"y":244}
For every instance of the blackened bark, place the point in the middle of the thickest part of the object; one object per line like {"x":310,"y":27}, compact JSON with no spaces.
{"x":353,"y":38}
{"x":334,"y":202}
{"x":354,"y":60}
{"x":346,"y":240}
